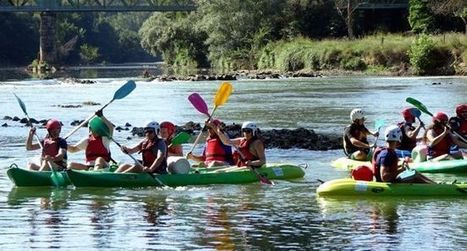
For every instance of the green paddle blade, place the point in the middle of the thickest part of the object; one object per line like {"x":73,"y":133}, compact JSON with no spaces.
{"x":419,"y":105}
{"x":126,"y":89}
{"x":99,"y":127}
{"x":21,"y":104}
{"x":181,"y":138}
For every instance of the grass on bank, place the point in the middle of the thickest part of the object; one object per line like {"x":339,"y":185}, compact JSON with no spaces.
{"x":443,"y":54}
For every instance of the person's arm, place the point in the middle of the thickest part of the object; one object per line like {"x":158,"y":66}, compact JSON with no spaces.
{"x":197,"y":158}
{"x":131,"y":150}
{"x":107,"y":123}
{"x":177,"y":150}
{"x":258,"y":146}
{"x":61,"y":152}
{"x":81,"y":145}
{"x":225,"y":140}
{"x":434,"y":140}
{"x":412,"y":134}
{"x":161,"y":153}
{"x":458,"y":142}
{"x":29,"y":145}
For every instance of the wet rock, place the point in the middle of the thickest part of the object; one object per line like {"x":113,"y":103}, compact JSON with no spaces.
{"x":77,"y":122}
{"x":119,"y":128}
{"x":7,"y":118}
{"x":24,"y":121}
{"x":4,"y":125}
{"x":127,"y":124}
{"x":91,"y":103}
{"x":69,"y":106}
{"x":15,"y":118}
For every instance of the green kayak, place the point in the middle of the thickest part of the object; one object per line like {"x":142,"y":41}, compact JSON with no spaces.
{"x":202,"y":176}
{"x":445,"y":166}
{"x":28,"y":178}
{"x":350,"y":187}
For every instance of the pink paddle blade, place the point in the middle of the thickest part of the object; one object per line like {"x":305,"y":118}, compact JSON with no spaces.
{"x":198,"y":102}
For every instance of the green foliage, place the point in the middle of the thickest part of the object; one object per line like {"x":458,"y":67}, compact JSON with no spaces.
{"x":19,"y":39}
{"x":421,"y":54}
{"x":89,"y":54}
{"x":420,"y":16}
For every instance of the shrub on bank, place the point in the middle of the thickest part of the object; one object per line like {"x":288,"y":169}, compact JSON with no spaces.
{"x":444,"y":55}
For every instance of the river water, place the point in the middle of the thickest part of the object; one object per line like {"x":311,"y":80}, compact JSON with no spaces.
{"x":287,"y":215}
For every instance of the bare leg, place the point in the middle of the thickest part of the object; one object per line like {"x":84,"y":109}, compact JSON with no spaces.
{"x":123,"y":168}
{"x":359,"y":155}
{"x":33,"y":166}
{"x":134,"y":169}
{"x":78,"y":166}
{"x":100,"y":163}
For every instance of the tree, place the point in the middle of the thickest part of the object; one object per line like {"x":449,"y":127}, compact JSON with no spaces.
{"x":346,"y":9}
{"x":420,"y":16}
{"x":457,"y":8}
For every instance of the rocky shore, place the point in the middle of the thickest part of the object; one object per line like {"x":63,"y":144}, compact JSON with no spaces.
{"x":276,"y":138}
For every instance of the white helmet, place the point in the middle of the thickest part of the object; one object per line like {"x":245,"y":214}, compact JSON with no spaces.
{"x":356,"y":114}
{"x":393,"y":133}
{"x":154,"y":125}
{"x":250,"y":125}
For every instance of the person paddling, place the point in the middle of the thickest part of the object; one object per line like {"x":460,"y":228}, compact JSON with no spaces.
{"x":167,"y":133}
{"x":409,"y":133}
{"x":385,"y":161}
{"x":355,"y":141}
{"x":250,"y":146}
{"x":459,"y":123}
{"x":153,"y":150}
{"x":96,"y":147}
{"x":215,"y":153}
{"x":440,"y":139}
{"x":54,"y":150}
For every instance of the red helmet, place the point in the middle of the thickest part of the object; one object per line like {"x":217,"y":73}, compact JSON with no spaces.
{"x":53,"y":124}
{"x":362,"y":173}
{"x":169,"y":125}
{"x":460,"y":109}
{"x":407,"y":114}
{"x":441,"y":117}
{"x":216,"y":122}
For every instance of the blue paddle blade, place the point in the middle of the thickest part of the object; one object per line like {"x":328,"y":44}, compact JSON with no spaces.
{"x":126,"y":89}
{"x":379,"y":123}
{"x":415,"y":112}
{"x":21,"y":104}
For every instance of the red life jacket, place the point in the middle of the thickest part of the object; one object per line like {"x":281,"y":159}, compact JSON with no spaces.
{"x":149,"y":152}
{"x":216,"y":150}
{"x":244,"y":148}
{"x":96,"y":149}
{"x":442,"y":147}
{"x":51,"y":148}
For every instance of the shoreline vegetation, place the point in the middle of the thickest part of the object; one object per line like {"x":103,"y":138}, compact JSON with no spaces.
{"x":376,"y":55}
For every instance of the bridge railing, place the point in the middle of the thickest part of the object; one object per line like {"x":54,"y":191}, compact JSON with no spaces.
{"x":95,"y":5}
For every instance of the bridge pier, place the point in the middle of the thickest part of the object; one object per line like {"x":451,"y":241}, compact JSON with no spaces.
{"x":47,"y":43}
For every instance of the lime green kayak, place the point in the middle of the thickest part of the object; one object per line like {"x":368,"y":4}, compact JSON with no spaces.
{"x":445,"y":166}
{"x":27,"y":178}
{"x":350,"y":187}
{"x":22,"y":177}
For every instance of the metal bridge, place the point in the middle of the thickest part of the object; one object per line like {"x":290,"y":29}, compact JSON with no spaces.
{"x":383,"y":4}
{"x":95,"y":5}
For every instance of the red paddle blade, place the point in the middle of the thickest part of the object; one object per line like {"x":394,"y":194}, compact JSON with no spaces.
{"x":198,"y":102}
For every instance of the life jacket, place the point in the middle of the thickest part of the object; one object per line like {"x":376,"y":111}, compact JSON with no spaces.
{"x":459,"y":125}
{"x":357,"y":132}
{"x":376,"y":163}
{"x":442,"y":147}
{"x":216,"y":150}
{"x":406,"y":142}
{"x":149,"y":151}
{"x":96,"y":149}
{"x":244,"y":148}
{"x":51,"y":148}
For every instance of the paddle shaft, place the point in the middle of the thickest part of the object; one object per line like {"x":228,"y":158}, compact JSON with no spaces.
{"x":86,"y":121}
{"x":261,"y":178}
{"x":201,"y":132}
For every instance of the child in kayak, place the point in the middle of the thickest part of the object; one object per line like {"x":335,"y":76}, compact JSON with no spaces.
{"x":355,"y":142}
{"x":385,"y":162}
{"x":440,"y":140}
{"x":250,"y":148}
{"x":215,"y":153}
{"x":96,"y":147}
{"x":153,"y":150}
{"x":459,"y":124}
{"x":53,"y":148}
{"x":409,"y":133}
{"x":167,"y":133}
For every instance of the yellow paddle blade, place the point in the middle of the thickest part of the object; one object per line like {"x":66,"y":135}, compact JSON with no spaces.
{"x":223,"y":94}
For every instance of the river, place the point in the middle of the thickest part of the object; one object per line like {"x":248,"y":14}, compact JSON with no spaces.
{"x":285,"y":216}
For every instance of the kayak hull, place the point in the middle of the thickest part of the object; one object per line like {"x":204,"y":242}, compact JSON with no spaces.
{"x":29,"y":178}
{"x":350,"y":187}
{"x":235,"y":176}
{"x":446,"y":166}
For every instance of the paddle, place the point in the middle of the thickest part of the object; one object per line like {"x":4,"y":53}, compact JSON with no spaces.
{"x":378,"y":124}
{"x":423,"y":108}
{"x":99,"y":127}
{"x":122,"y":92}
{"x":417,"y":113}
{"x":262,"y":179}
{"x":198,"y":102}
{"x":180,"y":138}
{"x":57,"y":179}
